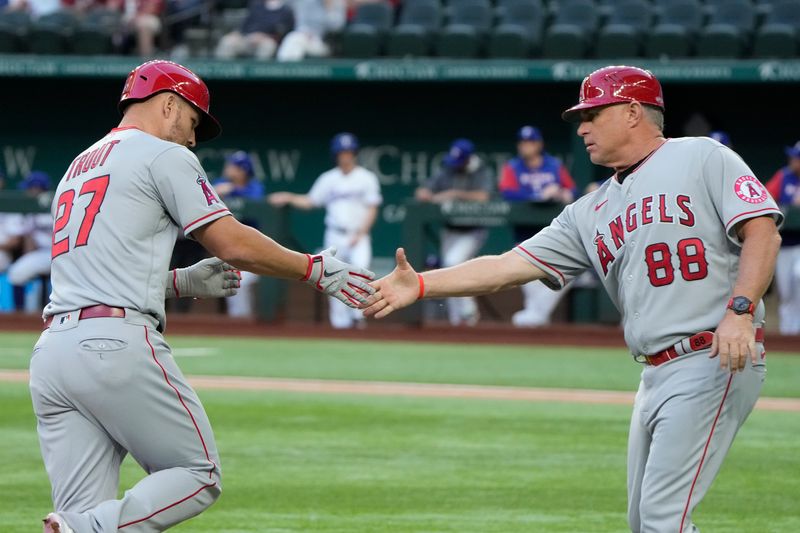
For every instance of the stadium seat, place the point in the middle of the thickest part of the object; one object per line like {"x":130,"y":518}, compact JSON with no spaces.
{"x":520,"y":30}
{"x":419,"y":21}
{"x":622,"y":34}
{"x":778,"y":36}
{"x":573,"y":28}
{"x":729,"y":30}
{"x":51,"y":34}
{"x":675,"y":32}
{"x":365,"y":35}
{"x":464,"y":36}
{"x":94,"y":34}
{"x":14,"y":26}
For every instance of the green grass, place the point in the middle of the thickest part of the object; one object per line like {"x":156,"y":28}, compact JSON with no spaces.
{"x":331,"y":463}
{"x":531,"y":366}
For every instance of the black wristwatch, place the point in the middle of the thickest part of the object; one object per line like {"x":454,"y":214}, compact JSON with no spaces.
{"x":741,"y":305}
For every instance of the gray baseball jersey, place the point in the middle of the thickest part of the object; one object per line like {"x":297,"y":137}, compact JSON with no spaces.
{"x":657,"y":242}
{"x":154,"y":189}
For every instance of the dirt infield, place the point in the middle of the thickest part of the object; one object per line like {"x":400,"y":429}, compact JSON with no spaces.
{"x":488,"y":333}
{"x":422,"y":390}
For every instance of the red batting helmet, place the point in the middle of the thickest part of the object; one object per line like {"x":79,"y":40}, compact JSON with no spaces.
{"x":155,"y":77}
{"x":616,"y":85}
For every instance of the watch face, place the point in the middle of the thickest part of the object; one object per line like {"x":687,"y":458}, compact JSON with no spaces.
{"x":741,"y":304}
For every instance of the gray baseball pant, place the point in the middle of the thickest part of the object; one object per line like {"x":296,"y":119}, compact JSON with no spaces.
{"x":106,"y":387}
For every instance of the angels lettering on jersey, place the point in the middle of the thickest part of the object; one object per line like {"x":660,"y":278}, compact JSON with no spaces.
{"x":653,"y":209}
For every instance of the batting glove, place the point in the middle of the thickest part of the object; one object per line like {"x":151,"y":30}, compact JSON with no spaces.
{"x":343,"y":281}
{"x":209,"y":278}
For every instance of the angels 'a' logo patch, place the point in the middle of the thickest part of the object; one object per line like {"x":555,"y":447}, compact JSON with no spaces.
{"x":749,"y":189}
{"x":209,"y":194}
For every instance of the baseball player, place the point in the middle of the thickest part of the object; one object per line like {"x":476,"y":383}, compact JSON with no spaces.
{"x":35,"y":230}
{"x":103,"y":381}
{"x":784,"y":186}
{"x":535,"y":176}
{"x":351,"y":196}
{"x":684,"y":239}
{"x":463,"y":178}
{"x":721,"y":137}
{"x":238,"y":181}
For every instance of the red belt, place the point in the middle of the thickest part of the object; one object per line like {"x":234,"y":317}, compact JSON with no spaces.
{"x":695,"y":343}
{"x":94,"y":311}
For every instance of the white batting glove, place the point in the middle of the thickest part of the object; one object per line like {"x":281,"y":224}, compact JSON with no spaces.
{"x":209,"y":278}
{"x":336,"y":278}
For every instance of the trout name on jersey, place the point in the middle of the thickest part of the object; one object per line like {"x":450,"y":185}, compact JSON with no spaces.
{"x":654,"y":209}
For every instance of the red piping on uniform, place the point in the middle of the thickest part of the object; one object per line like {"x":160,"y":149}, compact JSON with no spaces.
{"x":170,"y":506}
{"x":123,"y":128}
{"x":175,"y":283}
{"x":180,"y":399}
{"x":751,"y":213}
{"x":554,"y":269}
{"x":705,"y":450}
{"x":190,"y":224}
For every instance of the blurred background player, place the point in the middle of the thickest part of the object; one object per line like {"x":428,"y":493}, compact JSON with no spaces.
{"x":464,"y":178}
{"x":784,"y":186}
{"x":351,"y":196}
{"x":721,"y":137}
{"x":267,"y":22}
{"x":36,"y":234}
{"x":315,"y":18}
{"x":238,"y":181}
{"x":535,"y":176}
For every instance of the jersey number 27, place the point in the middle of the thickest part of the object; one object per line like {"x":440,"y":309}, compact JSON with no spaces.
{"x":97,"y":188}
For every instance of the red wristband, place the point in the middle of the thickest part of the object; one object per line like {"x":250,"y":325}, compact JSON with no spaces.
{"x":421,"y":294}
{"x":175,"y":283}
{"x":308,"y":269}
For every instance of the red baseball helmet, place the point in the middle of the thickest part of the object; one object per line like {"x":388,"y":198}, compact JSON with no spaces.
{"x":616,"y":85}
{"x":155,"y":77}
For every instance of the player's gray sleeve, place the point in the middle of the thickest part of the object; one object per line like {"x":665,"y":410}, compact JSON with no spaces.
{"x":557,"y":250}
{"x":184,"y":189}
{"x":318,"y":194}
{"x":736,"y":193}
{"x":435,"y":183}
{"x":485,"y":180}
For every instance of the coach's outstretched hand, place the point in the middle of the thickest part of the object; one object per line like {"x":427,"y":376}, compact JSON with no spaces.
{"x":399,"y":289}
{"x":209,"y":278}
{"x":345,"y":282}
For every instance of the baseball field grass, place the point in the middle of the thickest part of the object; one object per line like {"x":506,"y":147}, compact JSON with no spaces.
{"x":295,"y":462}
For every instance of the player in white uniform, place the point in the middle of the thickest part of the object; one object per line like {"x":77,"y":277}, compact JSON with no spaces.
{"x":351,"y":196}
{"x":103,"y":381}
{"x":684,"y":239}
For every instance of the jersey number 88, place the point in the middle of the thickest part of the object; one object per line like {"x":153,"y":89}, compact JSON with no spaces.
{"x":691,"y":258}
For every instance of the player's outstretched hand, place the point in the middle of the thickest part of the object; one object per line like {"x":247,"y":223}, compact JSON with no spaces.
{"x":343,"y":281}
{"x":209,"y":278}
{"x":734,"y":340}
{"x":399,"y":289}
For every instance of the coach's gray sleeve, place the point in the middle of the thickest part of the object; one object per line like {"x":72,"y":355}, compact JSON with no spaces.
{"x":557,"y":250}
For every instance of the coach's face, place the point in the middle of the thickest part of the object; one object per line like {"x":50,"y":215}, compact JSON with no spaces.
{"x":605,"y":131}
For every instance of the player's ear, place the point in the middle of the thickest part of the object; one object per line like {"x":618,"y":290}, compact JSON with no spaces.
{"x":169,"y":105}
{"x":634,"y":113}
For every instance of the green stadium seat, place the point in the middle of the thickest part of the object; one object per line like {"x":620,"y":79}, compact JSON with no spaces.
{"x":51,"y":34}
{"x":464,"y":36}
{"x":364,"y":37}
{"x":622,"y":35}
{"x":778,"y":36}
{"x":572,"y":30}
{"x":675,"y":32}
{"x":729,"y":30}
{"x":519,"y":33}
{"x":14,"y":27}
{"x":419,"y":21}
{"x":94,"y":35}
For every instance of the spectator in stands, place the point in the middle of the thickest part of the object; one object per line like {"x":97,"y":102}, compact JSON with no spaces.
{"x":538,"y":177}
{"x":238,"y":181}
{"x":182,"y":14}
{"x":463,"y":178}
{"x":784,"y":187}
{"x":314,"y":18}
{"x":267,"y":22}
{"x":36,"y":232}
{"x":35,"y":8}
{"x":142,"y":20}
